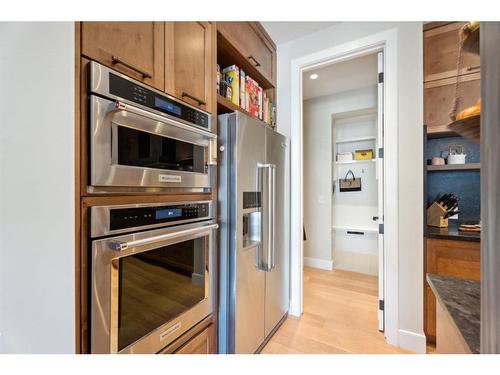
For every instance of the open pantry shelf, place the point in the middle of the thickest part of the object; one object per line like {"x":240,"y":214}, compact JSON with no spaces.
{"x":454,"y":167}
{"x":356,"y":162}
{"x":224,"y":105}
{"x":354,"y":140}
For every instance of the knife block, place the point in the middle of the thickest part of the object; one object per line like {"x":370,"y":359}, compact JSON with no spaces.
{"x":435,"y":216}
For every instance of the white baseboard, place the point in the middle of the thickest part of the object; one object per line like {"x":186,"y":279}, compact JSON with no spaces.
{"x":318,"y":263}
{"x":412,"y":341}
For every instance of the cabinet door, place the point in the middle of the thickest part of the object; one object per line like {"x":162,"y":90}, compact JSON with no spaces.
{"x":448,"y":258}
{"x":441,"y":47}
{"x":203,"y":343}
{"x":136,"y":49}
{"x":191,"y":62}
{"x":439,"y":96}
{"x":253,"y":44}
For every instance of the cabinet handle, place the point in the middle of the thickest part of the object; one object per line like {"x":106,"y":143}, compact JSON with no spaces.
{"x":472,"y":67}
{"x":253,"y":58}
{"x":117,"y":60}
{"x":200,"y":102}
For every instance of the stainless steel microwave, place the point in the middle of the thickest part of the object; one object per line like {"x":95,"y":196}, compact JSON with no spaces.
{"x":142,"y":140}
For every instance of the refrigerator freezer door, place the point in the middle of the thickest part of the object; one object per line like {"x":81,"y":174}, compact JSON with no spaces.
{"x":277,"y":279}
{"x":249,"y":152}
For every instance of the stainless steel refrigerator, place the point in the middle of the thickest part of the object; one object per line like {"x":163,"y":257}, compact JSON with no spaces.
{"x":253,"y":258}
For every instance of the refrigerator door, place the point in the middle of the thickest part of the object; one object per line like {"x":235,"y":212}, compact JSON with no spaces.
{"x":249,"y":152}
{"x":277,"y":279}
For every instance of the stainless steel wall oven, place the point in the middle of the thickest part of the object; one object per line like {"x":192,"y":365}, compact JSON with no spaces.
{"x":151,"y":274}
{"x":143,"y":140}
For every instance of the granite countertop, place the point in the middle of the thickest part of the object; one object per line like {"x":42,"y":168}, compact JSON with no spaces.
{"x":460,"y":298}
{"x":452,"y":233}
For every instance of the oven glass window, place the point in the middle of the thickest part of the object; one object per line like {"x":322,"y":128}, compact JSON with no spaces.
{"x":158,"y":285}
{"x":141,"y":149}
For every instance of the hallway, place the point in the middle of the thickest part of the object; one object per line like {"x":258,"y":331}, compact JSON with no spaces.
{"x":340,"y":316}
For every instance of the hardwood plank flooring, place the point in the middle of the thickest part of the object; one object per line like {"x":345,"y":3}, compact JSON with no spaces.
{"x":340,"y":316}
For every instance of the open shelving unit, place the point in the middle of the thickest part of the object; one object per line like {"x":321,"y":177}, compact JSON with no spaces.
{"x":227,"y":55}
{"x":454,"y":167}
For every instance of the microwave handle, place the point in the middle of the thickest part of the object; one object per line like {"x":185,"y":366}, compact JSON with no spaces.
{"x":121,"y":245}
{"x":120,"y":106}
{"x":212,"y":151}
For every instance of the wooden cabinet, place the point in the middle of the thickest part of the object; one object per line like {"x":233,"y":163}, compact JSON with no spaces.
{"x":449,"y":258}
{"x":203,"y":343}
{"x":135,"y":48}
{"x":439,"y":96}
{"x":252,"y":41}
{"x":190,"y":67}
{"x":441,"y":46}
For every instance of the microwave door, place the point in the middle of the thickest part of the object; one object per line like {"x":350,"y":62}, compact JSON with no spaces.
{"x":134,"y":148}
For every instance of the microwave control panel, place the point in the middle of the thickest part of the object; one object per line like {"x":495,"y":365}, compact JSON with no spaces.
{"x":136,"y":93}
{"x":133,"y":217}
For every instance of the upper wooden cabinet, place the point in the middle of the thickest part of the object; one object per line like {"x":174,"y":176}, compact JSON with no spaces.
{"x":252,"y":41}
{"x":135,"y":48}
{"x":190,"y":62}
{"x":441,"y":46}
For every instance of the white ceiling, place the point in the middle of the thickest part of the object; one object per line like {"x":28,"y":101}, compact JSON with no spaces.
{"x":282,"y":32}
{"x":343,"y":76}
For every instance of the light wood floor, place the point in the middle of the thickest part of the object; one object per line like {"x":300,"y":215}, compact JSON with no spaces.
{"x":340,"y":316}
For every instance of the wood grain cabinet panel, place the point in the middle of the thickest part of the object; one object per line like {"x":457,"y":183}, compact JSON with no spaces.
{"x":203,"y":343}
{"x":441,"y":46}
{"x":448,"y":258}
{"x":253,"y":44}
{"x":191,"y":62}
{"x":136,"y":49}
{"x":439,"y":96}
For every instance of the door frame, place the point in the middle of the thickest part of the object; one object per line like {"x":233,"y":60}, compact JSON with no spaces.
{"x":385,"y":41}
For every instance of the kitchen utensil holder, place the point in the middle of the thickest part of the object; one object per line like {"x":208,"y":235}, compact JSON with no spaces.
{"x":435,"y":216}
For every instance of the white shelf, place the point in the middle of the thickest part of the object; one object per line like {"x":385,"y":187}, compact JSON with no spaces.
{"x":353,"y":114}
{"x":355,"y":229}
{"x":353,"y":140}
{"x":356,"y":162}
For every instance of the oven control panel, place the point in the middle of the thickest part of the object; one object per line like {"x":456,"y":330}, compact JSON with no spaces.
{"x":134,"y":92}
{"x":144,"y":216}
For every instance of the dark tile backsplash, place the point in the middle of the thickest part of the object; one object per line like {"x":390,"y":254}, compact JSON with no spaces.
{"x":465,"y":184}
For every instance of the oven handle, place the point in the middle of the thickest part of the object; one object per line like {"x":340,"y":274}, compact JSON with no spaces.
{"x":120,"y":106}
{"x":121,"y":245}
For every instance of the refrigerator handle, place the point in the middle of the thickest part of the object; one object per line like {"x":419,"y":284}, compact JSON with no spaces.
{"x":272,"y":210}
{"x":266,"y":251}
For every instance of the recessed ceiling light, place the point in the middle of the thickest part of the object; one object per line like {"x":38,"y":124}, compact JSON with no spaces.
{"x":314,"y":76}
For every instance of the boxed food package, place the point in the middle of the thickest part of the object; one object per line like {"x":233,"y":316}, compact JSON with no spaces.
{"x":243,"y":100}
{"x":252,"y":94}
{"x":218,"y":79}
{"x":233,"y":79}
{"x":260,"y":102}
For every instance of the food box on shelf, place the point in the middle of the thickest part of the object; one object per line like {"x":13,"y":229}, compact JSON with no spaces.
{"x":232,"y":74}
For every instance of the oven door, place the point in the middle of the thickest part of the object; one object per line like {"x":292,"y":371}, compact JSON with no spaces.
{"x":149,"y":288}
{"x":134,"y":150}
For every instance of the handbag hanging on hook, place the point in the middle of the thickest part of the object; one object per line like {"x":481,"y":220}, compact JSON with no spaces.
{"x":350,"y":184}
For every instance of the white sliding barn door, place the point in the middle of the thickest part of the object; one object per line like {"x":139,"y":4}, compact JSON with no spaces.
{"x":380,"y":181}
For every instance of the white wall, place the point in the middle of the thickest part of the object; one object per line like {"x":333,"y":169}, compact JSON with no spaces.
{"x":317,"y":138}
{"x":37,"y":266}
{"x":410,"y":117}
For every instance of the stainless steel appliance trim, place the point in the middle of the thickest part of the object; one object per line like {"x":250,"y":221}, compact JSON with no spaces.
{"x":266,"y":261}
{"x":122,"y":245}
{"x":120,"y":105}
{"x":99,"y":217}
{"x":99,"y":84}
{"x":104,"y":299}
{"x":104,"y":172}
